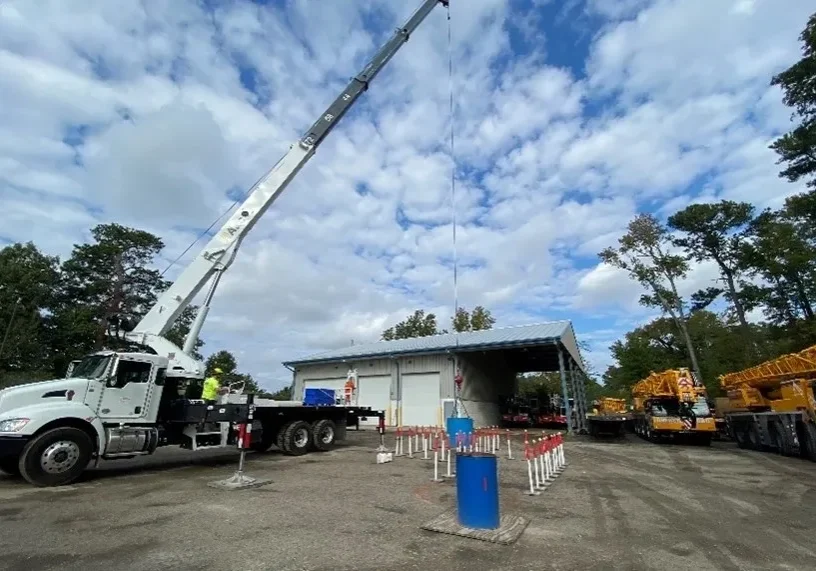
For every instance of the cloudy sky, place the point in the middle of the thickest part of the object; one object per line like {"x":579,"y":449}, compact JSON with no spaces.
{"x":571,"y":117}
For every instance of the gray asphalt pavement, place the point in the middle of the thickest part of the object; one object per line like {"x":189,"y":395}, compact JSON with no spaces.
{"x":619,"y":505}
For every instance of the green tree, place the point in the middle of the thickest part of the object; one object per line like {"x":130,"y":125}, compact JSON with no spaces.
{"x":717,"y":232}
{"x":283,"y":394}
{"x":644,"y":254}
{"x":656,"y":346}
{"x":797,"y":148}
{"x":28,"y":279}
{"x":417,"y":325}
{"x":779,"y":254}
{"x":109,"y":278}
{"x":477,"y":320}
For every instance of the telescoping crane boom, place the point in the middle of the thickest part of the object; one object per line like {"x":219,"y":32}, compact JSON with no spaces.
{"x":220,"y":252}
{"x":117,"y":404}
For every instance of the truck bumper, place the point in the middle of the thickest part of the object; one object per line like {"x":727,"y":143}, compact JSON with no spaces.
{"x":12,"y":446}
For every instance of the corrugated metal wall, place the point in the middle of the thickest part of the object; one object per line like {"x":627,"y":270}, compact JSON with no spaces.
{"x":441,"y":363}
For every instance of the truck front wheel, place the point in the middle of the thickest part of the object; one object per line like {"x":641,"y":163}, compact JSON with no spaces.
{"x":56,"y":457}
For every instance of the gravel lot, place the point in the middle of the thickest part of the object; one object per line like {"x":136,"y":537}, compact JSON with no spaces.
{"x":619,"y":505}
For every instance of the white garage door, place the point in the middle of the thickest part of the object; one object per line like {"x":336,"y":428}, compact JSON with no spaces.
{"x":374,"y":391}
{"x":420,"y":399}
{"x":335,"y":384}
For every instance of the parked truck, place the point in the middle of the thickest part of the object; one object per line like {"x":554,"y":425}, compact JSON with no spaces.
{"x":608,"y":416}
{"x":122,"y":404}
{"x":772,"y":407}
{"x":672,"y":405}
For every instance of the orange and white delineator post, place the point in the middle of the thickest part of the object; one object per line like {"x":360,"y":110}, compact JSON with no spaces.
{"x":450,"y":474}
{"x":561,"y":462}
{"x":435,"y":445}
{"x":509,"y":446}
{"x":548,"y":464}
{"x":398,"y":449}
{"x":529,"y":455}
{"x":425,"y":443}
{"x":410,"y":442}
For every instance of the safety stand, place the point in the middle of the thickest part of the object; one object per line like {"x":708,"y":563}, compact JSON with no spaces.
{"x":239,"y":480}
{"x":383,"y":455}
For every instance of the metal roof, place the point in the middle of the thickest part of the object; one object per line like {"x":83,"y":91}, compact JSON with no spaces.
{"x":499,"y":338}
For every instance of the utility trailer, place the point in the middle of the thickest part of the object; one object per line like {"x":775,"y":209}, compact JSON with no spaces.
{"x":121,"y":404}
{"x":772,"y":406}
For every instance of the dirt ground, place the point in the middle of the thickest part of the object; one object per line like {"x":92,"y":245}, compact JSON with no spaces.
{"x":618,"y":505}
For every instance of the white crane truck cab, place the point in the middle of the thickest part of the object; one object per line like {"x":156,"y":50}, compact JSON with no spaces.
{"x":108,"y":406}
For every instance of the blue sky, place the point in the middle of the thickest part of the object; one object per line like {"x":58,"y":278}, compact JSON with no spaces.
{"x":571,"y":117}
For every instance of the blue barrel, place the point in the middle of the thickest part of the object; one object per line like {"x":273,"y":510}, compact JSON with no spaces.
{"x":477,"y":490}
{"x":454,"y":425}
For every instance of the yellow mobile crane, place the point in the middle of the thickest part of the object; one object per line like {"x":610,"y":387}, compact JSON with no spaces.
{"x":609,"y":416}
{"x":771,"y":406}
{"x":672,"y":404}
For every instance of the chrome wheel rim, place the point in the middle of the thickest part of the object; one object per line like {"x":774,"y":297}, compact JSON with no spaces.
{"x":59,"y":457}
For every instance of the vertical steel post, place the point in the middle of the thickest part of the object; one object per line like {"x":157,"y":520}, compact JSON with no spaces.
{"x":561,"y":369}
{"x":580,"y":396}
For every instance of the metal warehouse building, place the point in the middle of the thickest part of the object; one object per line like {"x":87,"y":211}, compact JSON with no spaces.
{"x":413,"y":379}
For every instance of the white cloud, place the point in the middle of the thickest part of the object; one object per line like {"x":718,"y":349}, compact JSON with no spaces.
{"x":148,"y":113}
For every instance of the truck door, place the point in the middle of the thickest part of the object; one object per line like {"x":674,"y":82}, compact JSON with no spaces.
{"x":124,"y":396}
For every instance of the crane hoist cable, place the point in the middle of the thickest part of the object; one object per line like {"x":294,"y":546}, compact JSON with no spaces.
{"x":459,"y":407}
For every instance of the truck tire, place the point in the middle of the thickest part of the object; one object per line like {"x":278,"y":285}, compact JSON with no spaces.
{"x":280,"y":434}
{"x":10,"y":466}
{"x":56,"y":457}
{"x":324,"y":433}
{"x":297,"y":438}
{"x":807,"y":441}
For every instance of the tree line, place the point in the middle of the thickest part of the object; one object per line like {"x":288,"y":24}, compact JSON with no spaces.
{"x":53,"y":311}
{"x":766,"y":264}
{"x":421,"y":324}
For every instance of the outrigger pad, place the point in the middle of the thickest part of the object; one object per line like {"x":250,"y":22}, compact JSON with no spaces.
{"x":239,"y":481}
{"x":510,"y":528}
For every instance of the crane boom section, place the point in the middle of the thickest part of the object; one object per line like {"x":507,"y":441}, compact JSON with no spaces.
{"x":801,"y":365}
{"x":673,"y":383}
{"x":219,"y":253}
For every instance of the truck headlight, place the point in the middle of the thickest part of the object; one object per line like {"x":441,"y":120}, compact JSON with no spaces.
{"x":13,"y":424}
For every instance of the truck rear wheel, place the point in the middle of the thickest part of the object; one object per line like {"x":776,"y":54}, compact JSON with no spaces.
{"x":56,"y":457}
{"x":324,"y":433}
{"x":9,"y":466}
{"x":297,"y":438}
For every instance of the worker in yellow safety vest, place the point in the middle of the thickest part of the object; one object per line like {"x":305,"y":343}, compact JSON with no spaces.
{"x":212,"y":386}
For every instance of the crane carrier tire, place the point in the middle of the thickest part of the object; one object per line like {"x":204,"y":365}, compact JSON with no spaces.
{"x":56,"y":457}
{"x":807,"y":439}
{"x":297,"y":438}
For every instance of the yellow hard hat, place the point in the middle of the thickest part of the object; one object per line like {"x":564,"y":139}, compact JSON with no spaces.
{"x":217,"y":370}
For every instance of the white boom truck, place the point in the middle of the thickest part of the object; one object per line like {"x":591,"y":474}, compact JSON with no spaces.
{"x":125,"y":404}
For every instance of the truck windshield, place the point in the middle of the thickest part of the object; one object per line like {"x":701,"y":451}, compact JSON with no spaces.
{"x":700,"y":407}
{"x":92,"y":367}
